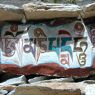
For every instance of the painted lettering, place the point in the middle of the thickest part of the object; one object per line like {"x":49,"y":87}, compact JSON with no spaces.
{"x":54,"y":44}
{"x":64,"y":58}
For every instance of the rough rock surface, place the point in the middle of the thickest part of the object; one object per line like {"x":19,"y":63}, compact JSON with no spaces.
{"x":51,"y":87}
{"x":3,"y":92}
{"x":8,"y":87}
{"x":31,"y":90}
{"x":14,"y":81}
{"x":39,"y":10}
{"x":44,"y":78}
{"x":44,"y":11}
{"x":21,"y":2}
{"x":10,"y":12}
{"x":58,"y":86}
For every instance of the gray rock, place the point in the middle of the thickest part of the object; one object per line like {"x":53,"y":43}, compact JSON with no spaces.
{"x":21,"y":2}
{"x":36,"y":79}
{"x":6,"y":76}
{"x":89,"y":81}
{"x":60,"y":80}
{"x":14,"y":81}
{"x":48,"y":79}
{"x":11,"y":93}
{"x":17,"y":2}
{"x":3,"y":92}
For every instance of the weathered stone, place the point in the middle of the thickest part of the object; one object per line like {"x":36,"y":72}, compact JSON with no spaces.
{"x":45,"y":11}
{"x":21,"y":2}
{"x":88,"y":10}
{"x":36,"y":79}
{"x":48,"y":79}
{"x":62,"y":85}
{"x":34,"y":90}
{"x":89,"y":81}
{"x":8,"y":87}
{"x":14,"y":81}
{"x":10,"y":12}
{"x":56,"y":87}
{"x":3,"y":92}
{"x":6,"y":76}
{"x":11,"y":93}
{"x":51,"y":87}
{"x":48,"y":11}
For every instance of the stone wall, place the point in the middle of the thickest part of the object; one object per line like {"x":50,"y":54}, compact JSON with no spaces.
{"x":21,"y":2}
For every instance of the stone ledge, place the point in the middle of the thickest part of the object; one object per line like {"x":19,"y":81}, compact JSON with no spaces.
{"x":36,"y":11}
